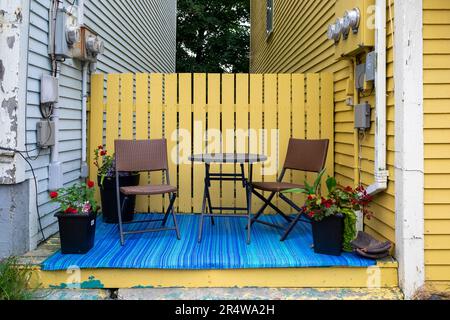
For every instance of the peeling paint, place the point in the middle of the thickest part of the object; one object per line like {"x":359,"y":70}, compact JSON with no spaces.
{"x":10,"y":41}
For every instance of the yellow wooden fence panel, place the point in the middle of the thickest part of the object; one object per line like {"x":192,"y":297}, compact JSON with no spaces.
{"x":126,"y":106}
{"x":171,"y":131}
{"x":156,"y":131}
{"x":229,"y":113}
{"x":298,"y":124}
{"x":327,"y":120}
{"x":228,"y":187}
{"x":214,"y":145}
{"x":96,"y":122}
{"x":112,"y":111}
{"x":199,"y":110}
{"x":142,"y":203}
{"x":284,"y":128}
{"x":270,"y":167}
{"x":256,"y":124}
{"x":242,"y":126}
{"x":185,"y":182}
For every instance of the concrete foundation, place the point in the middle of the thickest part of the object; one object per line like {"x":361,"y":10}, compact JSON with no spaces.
{"x":14,"y":220}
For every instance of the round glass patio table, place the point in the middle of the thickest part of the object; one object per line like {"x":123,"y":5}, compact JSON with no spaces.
{"x":208,"y":210}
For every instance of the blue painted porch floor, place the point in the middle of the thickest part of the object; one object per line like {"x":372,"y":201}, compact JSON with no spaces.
{"x":223,"y":247}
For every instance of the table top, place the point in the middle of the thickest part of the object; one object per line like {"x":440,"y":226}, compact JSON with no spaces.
{"x":228,"y":158}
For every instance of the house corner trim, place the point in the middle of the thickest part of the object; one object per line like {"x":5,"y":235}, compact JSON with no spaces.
{"x":409,"y":145}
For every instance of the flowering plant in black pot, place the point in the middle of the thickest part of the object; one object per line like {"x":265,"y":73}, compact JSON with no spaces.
{"x":77,"y":217}
{"x":106,"y":178}
{"x":333,"y":215}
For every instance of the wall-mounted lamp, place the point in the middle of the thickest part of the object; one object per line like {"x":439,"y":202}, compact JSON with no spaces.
{"x":352,"y":19}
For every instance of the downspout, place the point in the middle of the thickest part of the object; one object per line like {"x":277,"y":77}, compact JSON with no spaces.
{"x":381,"y":173}
{"x":84,"y":166}
{"x":55,"y":174}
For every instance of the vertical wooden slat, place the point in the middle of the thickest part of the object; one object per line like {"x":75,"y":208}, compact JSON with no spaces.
{"x":214,"y":145}
{"x":112,"y":111}
{"x":242,"y":126}
{"x":126,"y":106}
{"x":171,"y":130}
{"x":142,"y":203}
{"x":228,"y":188}
{"x":327,"y":119}
{"x":199,"y":110}
{"x":156,"y":132}
{"x":256,"y":112}
{"x":284,"y":127}
{"x":298,"y":124}
{"x":312,"y":112}
{"x":185,"y":167}
{"x":270,"y":126}
{"x":95,"y":123}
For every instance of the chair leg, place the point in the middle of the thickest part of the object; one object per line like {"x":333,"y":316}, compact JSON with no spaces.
{"x":169,"y":208}
{"x":291,"y":226}
{"x":249,"y":212}
{"x":172,"y":201}
{"x":119,"y":212}
{"x":264,"y":206}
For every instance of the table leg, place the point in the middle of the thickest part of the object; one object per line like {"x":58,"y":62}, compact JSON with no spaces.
{"x":249,"y":201}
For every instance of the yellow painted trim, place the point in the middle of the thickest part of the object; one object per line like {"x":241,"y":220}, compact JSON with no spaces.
{"x":383,"y":276}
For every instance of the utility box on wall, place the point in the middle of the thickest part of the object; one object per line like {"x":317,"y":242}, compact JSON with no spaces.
{"x":355,"y":20}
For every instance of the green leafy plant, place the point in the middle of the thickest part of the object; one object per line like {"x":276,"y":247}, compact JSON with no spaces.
{"x":15,"y":280}
{"x":338,"y":201}
{"x":79,"y":198}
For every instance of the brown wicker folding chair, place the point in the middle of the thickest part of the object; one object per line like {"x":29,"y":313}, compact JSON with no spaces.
{"x":302,"y":155}
{"x":138,"y":156}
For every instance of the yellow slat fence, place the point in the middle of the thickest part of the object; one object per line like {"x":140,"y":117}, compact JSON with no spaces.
{"x":199,"y":113}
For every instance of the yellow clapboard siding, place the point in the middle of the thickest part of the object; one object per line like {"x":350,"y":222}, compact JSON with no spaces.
{"x":437,"y":257}
{"x":156,"y":132}
{"x":142,"y":202}
{"x":185,"y":166}
{"x":171,"y":131}
{"x":228,"y":133}
{"x":242,"y":127}
{"x":437,"y":273}
{"x":199,"y":109}
{"x":95,"y":117}
{"x":214,"y":137}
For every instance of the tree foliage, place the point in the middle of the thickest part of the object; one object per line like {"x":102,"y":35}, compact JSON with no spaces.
{"x":213,"y":36}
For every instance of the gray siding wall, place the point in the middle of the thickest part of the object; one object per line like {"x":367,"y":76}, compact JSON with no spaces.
{"x":140,"y":36}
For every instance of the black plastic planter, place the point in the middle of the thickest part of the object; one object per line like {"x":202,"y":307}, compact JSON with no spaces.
{"x":77,"y":232}
{"x":109,"y":198}
{"x":328,"y":235}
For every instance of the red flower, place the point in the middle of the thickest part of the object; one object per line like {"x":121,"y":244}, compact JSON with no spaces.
{"x":71,"y":210}
{"x":53,"y":194}
{"x":90,"y":184}
{"x":310,"y":197}
{"x":100,"y":147}
{"x":103,"y":152}
{"x":348,"y":189}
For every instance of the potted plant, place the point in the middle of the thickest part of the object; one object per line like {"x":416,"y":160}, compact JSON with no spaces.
{"x":333,"y":215}
{"x":77,"y":217}
{"x":106,"y":179}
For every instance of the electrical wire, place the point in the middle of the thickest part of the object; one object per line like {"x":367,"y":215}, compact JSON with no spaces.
{"x":35,"y":187}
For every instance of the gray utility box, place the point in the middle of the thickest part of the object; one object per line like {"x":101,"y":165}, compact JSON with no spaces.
{"x":45,"y":134}
{"x":362,"y":116}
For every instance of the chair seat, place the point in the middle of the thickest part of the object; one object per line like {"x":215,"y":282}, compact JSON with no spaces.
{"x":148,"y":189}
{"x":275,"y":186}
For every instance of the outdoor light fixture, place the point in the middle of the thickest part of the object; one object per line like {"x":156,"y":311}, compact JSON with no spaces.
{"x":352,"y":19}
{"x":333,"y":34}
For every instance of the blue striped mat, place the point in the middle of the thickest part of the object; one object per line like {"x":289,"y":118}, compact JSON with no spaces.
{"x":223,"y":247}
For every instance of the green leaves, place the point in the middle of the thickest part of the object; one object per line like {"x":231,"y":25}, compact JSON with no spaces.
{"x":213,"y":36}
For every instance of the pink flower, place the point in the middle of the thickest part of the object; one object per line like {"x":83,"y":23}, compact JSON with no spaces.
{"x":87,"y":207}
